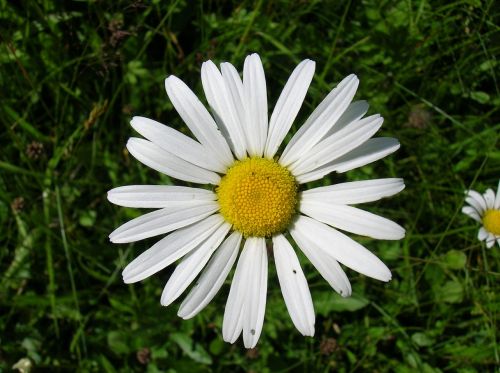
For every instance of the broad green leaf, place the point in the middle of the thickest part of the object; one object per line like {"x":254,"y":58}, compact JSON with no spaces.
{"x":455,"y":259}
{"x":481,"y":97}
{"x":328,"y":302}
{"x":450,"y":292}
{"x":194,"y":350}
{"x":117,"y":342}
{"x":421,"y":339}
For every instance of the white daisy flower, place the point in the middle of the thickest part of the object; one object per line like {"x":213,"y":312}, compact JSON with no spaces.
{"x":485,"y":208}
{"x":256,"y":197}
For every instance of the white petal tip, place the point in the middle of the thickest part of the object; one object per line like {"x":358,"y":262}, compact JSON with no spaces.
{"x":109,"y":196}
{"x":308,"y":332}
{"x":128,"y":280}
{"x":353,"y":77}
{"x":345,"y":294}
{"x":136,"y":119}
{"x":166,"y":302}
{"x":183,"y":315}
{"x":171,"y":79}
{"x":400,"y":234}
{"x":116,"y":238}
{"x":169,"y":295}
{"x":128,"y":277}
{"x":311,"y":63}
{"x":250,"y":345}
{"x":386,"y":277}
{"x":132,"y":142}
{"x":137,"y":124}
{"x":230,"y":340}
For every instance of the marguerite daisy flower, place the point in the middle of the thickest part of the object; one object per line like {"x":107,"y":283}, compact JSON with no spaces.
{"x":256,"y":197}
{"x":485,"y":209}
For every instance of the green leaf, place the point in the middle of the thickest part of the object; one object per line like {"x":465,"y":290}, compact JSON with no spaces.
{"x":488,"y":65}
{"x":87,"y":218}
{"x":194,"y":350}
{"x":24,"y":124}
{"x":450,"y":292}
{"x":421,"y":339}
{"x":455,"y":259}
{"x":121,"y":306}
{"x":117,"y":342}
{"x":481,"y":97}
{"x":328,"y":302}
{"x":216,"y":346}
{"x":106,"y":364}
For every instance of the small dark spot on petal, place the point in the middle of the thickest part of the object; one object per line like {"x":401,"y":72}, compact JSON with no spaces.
{"x":294,"y":271}
{"x":252,"y":332}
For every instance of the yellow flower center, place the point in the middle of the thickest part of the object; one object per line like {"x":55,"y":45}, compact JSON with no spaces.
{"x":491,"y":221}
{"x":258,"y":197}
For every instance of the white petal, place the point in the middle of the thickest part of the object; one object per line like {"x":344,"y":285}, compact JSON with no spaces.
{"x":169,"y":249}
{"x":490,"y":241}
{"x":288,"y":105}
{"x":321,"y":120}
{"x":254,"y":85}
{"x":163,"y":221}
{"x":160,"y":160}
{"x":497,"y":198}
{"x":255,"y":290}
{"x":294,"y":286}
{"x":477,"y":201}
{"x":475,"y":205}
{"x":232,"y":324}
{"x":198,"y":119}
{"x":342,"y":248}
{"x":482,"y":234}
{"x":472,"y":212}
{"x":338,"y":144}
{"x":354,"y":112}
{"x":157,"y":196}
{"x":221,"y":100}
{"x":354,"y":220}
{"x":212,"y":278}
{"x":176,"y":143}
{"x":326,"y":265}
{"x":235,"y":85}
{"x":489,"y":197}
{"x":371,"y":151}
{"x":353,"y":192}
{"x":191,"y":265}
{"x":246,"y":302}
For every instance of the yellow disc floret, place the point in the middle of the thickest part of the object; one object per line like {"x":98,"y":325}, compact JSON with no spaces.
{"x":491,"y":221}
{"x":258,"y":197}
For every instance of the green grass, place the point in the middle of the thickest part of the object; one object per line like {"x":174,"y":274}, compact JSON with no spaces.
{"x":73,"y":73}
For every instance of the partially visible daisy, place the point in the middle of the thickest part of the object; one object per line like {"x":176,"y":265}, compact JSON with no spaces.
{"x":485,"y":208}
{"x":257,"y":197}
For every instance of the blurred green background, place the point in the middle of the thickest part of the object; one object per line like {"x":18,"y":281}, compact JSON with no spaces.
{"x":73,"y":73}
